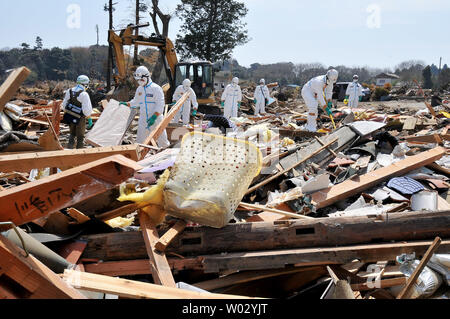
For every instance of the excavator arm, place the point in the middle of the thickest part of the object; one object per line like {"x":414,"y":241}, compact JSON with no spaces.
{"x":127,"y":37}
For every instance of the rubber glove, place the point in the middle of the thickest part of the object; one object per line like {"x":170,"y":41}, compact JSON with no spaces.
{"x":239,"y":105}
{"x":328,"y":109}
{"x":222,"y":104}
{"x":90,"y":123}
{"x":255,"y":101}
{"x":173,"y":103}
{"x":123,"y":103}
{"x":194,"y":112}
{"x":267,"y":101}
{"x":347,"y":97}
{"x":360,"y":99}
{"x":151,"y":121}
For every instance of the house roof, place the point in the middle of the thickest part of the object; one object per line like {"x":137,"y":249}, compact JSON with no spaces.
{"x":387,"y":76}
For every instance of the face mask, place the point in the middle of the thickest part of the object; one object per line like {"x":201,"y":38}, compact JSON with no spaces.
{"x":143,"y":82}
{"x":355,"y":81}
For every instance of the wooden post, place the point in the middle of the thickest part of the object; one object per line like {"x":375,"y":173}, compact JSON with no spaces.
{"x":412,"y":280}
{"x":56,"y":116}
{"x":160,"y":268}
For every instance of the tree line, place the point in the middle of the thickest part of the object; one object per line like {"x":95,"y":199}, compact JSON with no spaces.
{"x":55,"y":64}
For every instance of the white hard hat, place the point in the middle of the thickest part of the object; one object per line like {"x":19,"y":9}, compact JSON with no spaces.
{"x":187,"y":83}
{"x":235,"y":80}
{"x":83,"y":80}
{"x":355,"y":77}
{"x":142,"y":72}
{"x":262,"y":81}
{"x":332,"y":75}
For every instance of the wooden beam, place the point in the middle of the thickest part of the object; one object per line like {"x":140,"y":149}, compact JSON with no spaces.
{"x":121,"y":211}
{"x":135,"y":289}
{"x":273,"y":259}
{"x":290,"y":234}
{"x":405,"y":293}
{"x":170,"y":235}
{"x":56,"y":116}
{"x":28,"y":278}
{"x":160,"y":268}
{"x":9,"y":88}
{"x":303,"y":160}
{"x":25,"y":203}
{"x":354,"y":186}
{"x":24,"y":162}
{"x":140,"y":266}
{"x":26,"y":119}
{"x":156,"y":133}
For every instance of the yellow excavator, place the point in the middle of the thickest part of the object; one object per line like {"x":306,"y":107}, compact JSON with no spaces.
{"x":200,"y":73}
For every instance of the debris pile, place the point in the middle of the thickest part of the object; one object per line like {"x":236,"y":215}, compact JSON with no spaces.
{"x":357,"y":210}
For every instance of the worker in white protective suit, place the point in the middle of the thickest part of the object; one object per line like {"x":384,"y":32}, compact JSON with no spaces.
{"x":191,"y":102}
{"x":231,"y":99}
{"x":313,"y":94}
{"x":149,"y":98}
{"x":354,"y":93}
{"x":261,"y":97}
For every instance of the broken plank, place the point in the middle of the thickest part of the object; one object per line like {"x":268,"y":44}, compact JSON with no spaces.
{"x":79,"y":217}
{"x":25,"y":203}
{"x":404,"y":294}
{"x":156,"y":133}
{"x":170,"y":235}
{"x":410,"y":123}
{"x":25,"y":162}
{"x":354,"y":186}
{"x":26,"y":119}
{"x":28,"y":278}
{"x":135,"y":289}
{"x":272,"y":210}
{"x":9,"y":88}
{"x":160,"y":268}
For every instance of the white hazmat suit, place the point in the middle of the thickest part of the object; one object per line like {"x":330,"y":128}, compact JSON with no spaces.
{"x":185,"y":111}
{"x":149,"y":98}
{"x":313,"y":95}
{"x":232,"y":97}
{"x":354,"y":92}
{"x":261,"y":94}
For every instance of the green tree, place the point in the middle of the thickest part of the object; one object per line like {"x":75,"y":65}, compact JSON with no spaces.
{"x":39,"y":44}
{"x":427,"y":81}
{"x":211,"y":28}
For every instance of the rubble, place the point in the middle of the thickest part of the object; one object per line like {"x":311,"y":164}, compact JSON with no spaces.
{"x":283,"y":212}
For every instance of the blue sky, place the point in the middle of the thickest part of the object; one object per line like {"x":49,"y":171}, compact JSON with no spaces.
{"x":376,"y":33}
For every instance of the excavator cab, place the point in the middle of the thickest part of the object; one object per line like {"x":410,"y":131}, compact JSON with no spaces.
{"x":202,"y":78}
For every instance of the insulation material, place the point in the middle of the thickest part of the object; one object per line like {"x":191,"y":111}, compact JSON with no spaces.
{"x":210,"y":178}
{"x":111,"y":127}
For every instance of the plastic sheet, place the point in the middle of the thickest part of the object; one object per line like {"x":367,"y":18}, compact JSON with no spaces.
{"x":111,"y":127}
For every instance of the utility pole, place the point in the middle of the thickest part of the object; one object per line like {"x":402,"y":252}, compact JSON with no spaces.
{"x":108,"y":75}
{"x":96,"y":29}
{"x":136,"y":47}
